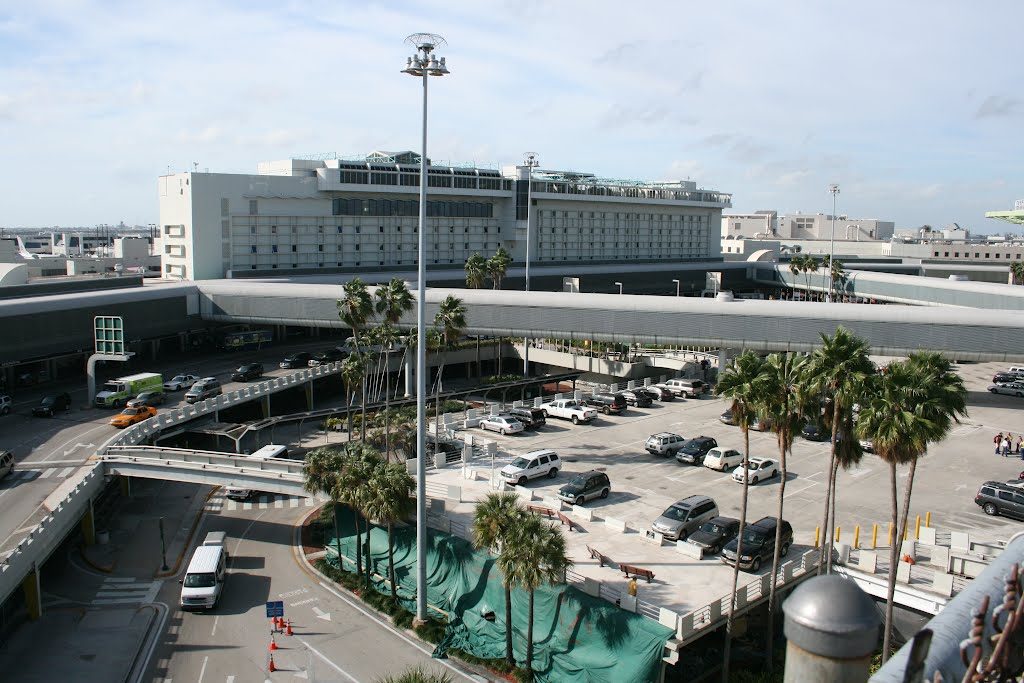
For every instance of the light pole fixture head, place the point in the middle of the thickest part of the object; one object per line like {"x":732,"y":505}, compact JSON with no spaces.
{"x":531,"y":159}
{"x":425,"y":63}
{"x":833,"y":188}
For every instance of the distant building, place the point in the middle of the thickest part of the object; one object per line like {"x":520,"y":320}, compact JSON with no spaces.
{"x":798,"y":226}
{"x":318,"y":216}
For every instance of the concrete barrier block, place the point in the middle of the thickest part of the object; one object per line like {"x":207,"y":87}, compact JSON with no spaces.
{"x":943,"y":584}
{"x":591,"y":587}
{"x":652,"y":537}
{"x":908,"y":547}
{"x":940,"y":557}
{"x":903,"y":572}
{"x":927,"y":535}
{"x":867,"y":561}
{"x":615,"y":524}
{"x":960,"y":540}
{"x":584,"y":513}
{"x":627,"y":602}
{"x":455,"y":493}
{"x":690,"y":550}
{"x":667,"y":617}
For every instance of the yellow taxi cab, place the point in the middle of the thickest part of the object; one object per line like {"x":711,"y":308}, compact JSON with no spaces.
{"x":130,"y":416}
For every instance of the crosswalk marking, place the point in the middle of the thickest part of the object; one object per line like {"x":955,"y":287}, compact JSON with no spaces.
{"x":126,"y":590}
{"x":264,"y":503}
{"x":279,"y":502}
{"x":47,"y":473}
{"x":66,"y":471}
{"x":27,"y":474}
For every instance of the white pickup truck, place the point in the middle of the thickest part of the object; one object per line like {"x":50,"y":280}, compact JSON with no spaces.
{"x":569,"y":409}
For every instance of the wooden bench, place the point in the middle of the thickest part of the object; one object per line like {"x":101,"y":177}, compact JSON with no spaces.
{"x":628,"y":569}
{"x":595,"y":554}
{"x":541,"y":510}
{"x":565,"y":520}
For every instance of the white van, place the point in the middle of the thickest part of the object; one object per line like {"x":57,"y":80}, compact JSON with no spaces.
{"x":270,"y":451}
{"x":204,"y":578}
{"x":6,"y":463}
{"x":530,"y":466}
{"x":1016,"y":370}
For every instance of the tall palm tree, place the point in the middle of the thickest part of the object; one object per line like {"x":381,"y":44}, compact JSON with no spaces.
{"x":838,"y":370}
{"x":739,"y":383}
{"x":476,"y":274}
{"x":838,"y":274}
{"x":322,"y":471}
{"x":388,"y":501}
{"x":355,"y":309}
{"x":450,"y":322}
{"x":387,"y":336}
{"x":493,"y":521}
{"x":392,"y":301}
{"x":353,"y":369}
{"x":531,"y":556}
{"x":1017,"y":271}
{"x":913,"y":403}
{"x":795,"y":267}
{"x":360,"y":462}
{"x":782,"y":400}
{"x":497,"y":266}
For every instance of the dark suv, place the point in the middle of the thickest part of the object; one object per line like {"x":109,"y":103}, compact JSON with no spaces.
{"x":296,"y":360}
{"x":52,"y":404}
{"x":758,"y":544}
{"x":997,"y":498}
{"x":694,"y":450}
{"x":532,"y":418}
{"x":607,"y":403}
{"x":247,"y":372}
{"x":638,"y":398}
{"x":585,"y":486}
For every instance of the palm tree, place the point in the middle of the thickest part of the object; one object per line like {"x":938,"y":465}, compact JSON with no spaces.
{"x":450,"y":322}
{"x":388,"y":501}
{"x":532,"y":555}
{"x":355,"y":307}
{"x":417,"y":674}
{"x":795,"y":267}
{"x":493,"y":521}
{"x":387,"y":336}
{"x":739,"y":382}
{"x":497,"y":266}
{"x":322,"y":471}
{"x":913,"y":403}
{"x":838,"y":274}
{"x":1017,"y":272}
{"x":476,"y":271}
{"x":353,"y":369}
{"x":360,"y":462}
{"x":782,"y":400}
{"x":838,"y":369}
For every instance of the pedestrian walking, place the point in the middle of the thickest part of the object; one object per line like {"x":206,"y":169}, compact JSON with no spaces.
{"x":1006,"y":447}
{"x":998,"y":441}
{"x":1020,"y":440}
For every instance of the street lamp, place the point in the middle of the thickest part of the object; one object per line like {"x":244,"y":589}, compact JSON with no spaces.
{"x":677,"y":286}
{"x":620,"y":287}
{"x":834,"y":189}
{"x":531,"y":162}
{"x":422,"y":64}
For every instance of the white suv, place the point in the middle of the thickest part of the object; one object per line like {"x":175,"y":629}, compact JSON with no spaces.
{"x":664,"y":443}
{"x":530,"y":466}
{"x":5,"y":404}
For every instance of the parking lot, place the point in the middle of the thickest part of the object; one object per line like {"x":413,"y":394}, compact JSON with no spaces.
{"x":643,"y":485}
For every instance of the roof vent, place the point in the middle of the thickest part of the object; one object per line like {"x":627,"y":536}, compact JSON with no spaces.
{"x":725,"y":296}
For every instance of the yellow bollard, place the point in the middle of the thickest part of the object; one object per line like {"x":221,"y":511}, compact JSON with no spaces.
{"x":928,"y":519}
{"x":917,"y":528}
{"x":906,"y":534}
{"x":891,"y":530}
{"x":838,"y":529}
{"x":856,"y":537}
{"x":874,"y":536}
{"x":817,"y":535}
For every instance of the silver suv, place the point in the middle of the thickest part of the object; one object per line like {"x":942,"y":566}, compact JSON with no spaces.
{"x":664,"y":443}
{"x":207,"y":387}
{"x":685,"y":516}
{"x":5,"y":404}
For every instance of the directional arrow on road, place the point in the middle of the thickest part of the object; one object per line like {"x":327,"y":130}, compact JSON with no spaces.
{"x":320,"y":614}
{"x":77,"y":446}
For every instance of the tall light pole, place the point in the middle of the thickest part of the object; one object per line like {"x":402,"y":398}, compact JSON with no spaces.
{"x":834,"y":189}
{"x":422,"y":64}
{"x":531,"y":162}
{"x":620,"y":287}
{"x":677,"y":286}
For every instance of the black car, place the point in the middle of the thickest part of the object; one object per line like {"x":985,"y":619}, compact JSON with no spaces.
{"x":815,"y":432}
{"x":1004,"y":378}
{"x":653,"y":394}
{"x":715,"y":533}
{"x":759,"y":544}
{"x":327,"y":356}
{"x":637,"y":397}
{"x":607,"y":403}
{"x":296,"y":360}
{"x":694,"y":450}
{"x":532,"y":418}
{"x":248,"y":372}
{"x":52,"y":404}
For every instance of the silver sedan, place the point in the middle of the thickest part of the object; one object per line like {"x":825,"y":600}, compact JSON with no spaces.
{"x":503,"y":424}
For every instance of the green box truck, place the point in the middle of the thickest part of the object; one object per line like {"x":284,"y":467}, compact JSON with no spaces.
{"x":119,"y":391}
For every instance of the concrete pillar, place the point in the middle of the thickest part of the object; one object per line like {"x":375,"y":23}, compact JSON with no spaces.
{"x":408,"y":375}
{"x":265,"y":406}
{"x":183,"y":341}
{"x":51,"y":369}
{"x":154,"y":348}
{"x":831,"y":631}
{"x":89,"y":525}
{"x":33,"y":593}
{"x":126,"y":487}
{"x":308,"y":387}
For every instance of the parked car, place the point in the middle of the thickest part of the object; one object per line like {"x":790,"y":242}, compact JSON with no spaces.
{"x":723,"y":459}
{"x":531,"y":465}
{"x":503,"y":424}
{"x":52,"y":404}
{"x":664,"y":443}
{"x":815,"y":432}
{"x":727,"y":417}
{"x":327,"y":356}
{"x":247,"y":372}
{"x":569,"y":409}
{"x":638,"y":398}
{"x":998,"y":498}
{"x":147,"y":398}
{"x":1011,"y":389}
{"x":207,"y":387}
{"x":685,"y":516}
{"x":1004,"y":378}
{"x":761,"y":424}
{"x":607,"y":403}
{"x":238,"y":493}
{"x":130,"y":416}
{"x":691,"y":388}
{"x":867,"y":445}
{"x":532,"y":418}
{"x":179,"y":382}
{"x":296,"y":360}
{"x":715,"y":533}
{"x":659,"y":392}
{"x":759,"y":544}
{"x":586,"y":486}
{"x":693,"y":451}
{"x":6,"y":403}
{"x":760,"y":469}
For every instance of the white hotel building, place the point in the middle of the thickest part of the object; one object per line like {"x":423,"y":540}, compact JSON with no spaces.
{"x":307,"y":216}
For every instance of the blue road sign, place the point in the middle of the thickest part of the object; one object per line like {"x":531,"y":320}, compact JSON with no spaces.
{"x":275,"y":608}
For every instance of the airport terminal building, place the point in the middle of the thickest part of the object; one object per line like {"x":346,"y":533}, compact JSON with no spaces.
{"x":307,"y":216}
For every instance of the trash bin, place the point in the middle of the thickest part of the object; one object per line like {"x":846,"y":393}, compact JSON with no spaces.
{"x":842,"y":553}
{"x":102,"y":536}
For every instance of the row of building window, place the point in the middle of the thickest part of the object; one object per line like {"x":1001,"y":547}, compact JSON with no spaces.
{"x":358,"y":229}
{"x":275,"y":249}
{"x":400,"y":207}
{"x":434,"y":179}
{"x":967,"y":254}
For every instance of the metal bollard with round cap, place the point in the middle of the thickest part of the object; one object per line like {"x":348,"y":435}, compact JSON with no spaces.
{"x":831,"y":630}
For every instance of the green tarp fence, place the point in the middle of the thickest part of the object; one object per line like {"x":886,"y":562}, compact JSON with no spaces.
{"x":577,"y":637}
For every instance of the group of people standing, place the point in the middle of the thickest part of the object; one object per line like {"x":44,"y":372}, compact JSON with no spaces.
{"x":1006,"y":446}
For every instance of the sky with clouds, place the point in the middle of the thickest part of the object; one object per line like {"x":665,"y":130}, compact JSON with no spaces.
{"x":915,"y":108}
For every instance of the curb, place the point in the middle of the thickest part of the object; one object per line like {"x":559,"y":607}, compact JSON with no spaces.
{"x":176,"y":567}
{"x":106,"y":569}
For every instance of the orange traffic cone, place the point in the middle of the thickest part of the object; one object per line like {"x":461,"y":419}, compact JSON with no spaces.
{"x":289,"y":631}
{"x":271,"y":668}
{"x":279,"y":623}
{"x":273,"y":623}
{"x":273,"y":643}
